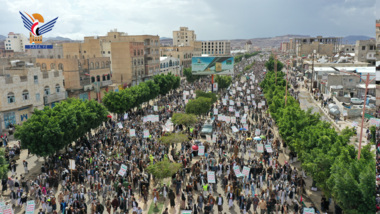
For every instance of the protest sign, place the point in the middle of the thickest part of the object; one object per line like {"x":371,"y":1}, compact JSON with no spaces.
{"x":233,"y":119}
{"x":257,"y":132}
{"x":30,"y":206}
{"x":245,"y":171}
{"x":243,"y":120}
{"x":146,"y":133}
{"x":208,"y":138}
{"x":237,"y":114}
{"x":231,"y":109}
{"x":308,"y":210}
{"x":132,"y":133}
{"x":234,"y":129}
{"x":215,"y":111}
{"x":268,"y":148}
{"x":123,"y":170}
{"x":201,"y":150}
{"x":120,"y":125}
{"x":211,"y":177}
{"x":125,"y":116}
{"x":260,"y":148}
{"x":237,"y":171}
{"x":155,"y":108}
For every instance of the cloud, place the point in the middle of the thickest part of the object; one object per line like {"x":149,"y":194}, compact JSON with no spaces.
{"x":211,"y":19}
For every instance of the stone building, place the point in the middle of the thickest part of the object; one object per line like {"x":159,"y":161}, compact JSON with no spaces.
{"x":25,"y":88}
{"x":55,"y":53}
{"x":323,"y":45}
{"x":216,"y":48}
{"x":184,"y":37}
{"x":170,"y":65}
{"x":16,"y":42}
{"x":365,"y":51}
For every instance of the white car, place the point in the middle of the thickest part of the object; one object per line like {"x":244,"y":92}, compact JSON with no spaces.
{"x":356,"y":101}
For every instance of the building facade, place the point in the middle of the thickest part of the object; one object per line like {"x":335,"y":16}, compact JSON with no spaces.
{"x":16,"y":42}
{"x":184,"y":54}
{"x":323,"y":45}
{"x":216,"y":48}
{"x":55,"y":53}
{"x":123,"y":50}
{"x":365,"y":51}
{"x":184,"y":37}
{"x":25,"y":89}
{"x":170,"y":65}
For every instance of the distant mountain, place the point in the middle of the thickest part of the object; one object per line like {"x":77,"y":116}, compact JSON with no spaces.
{"x":2,"y":37}
{"x":57,"y":38}
{"x":351,"y":40}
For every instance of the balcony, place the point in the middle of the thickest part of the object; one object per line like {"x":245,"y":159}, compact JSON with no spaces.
{"x":55,"y":97}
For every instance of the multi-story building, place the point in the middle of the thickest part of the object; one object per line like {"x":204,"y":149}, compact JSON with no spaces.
{"x":323,"y":45}
{"x":216,"y":48}
{"x":124,"y":50}
{"x":85,"y":79}
{"x":184,"y":54}
{"x":248,"y":46}
{"x":284,"y":47}
{"x":170,"y":65}
{"x":25,"y":88}
{"x":16,"y":42}
{"x":347,"y":49}
{"x":184,"y":37}
{"x":365,"y":51}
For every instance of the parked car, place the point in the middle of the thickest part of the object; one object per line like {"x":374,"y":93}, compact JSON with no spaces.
{"x":357,"y":101}
{"x":207,"y":128}
{"x":371,"y":98}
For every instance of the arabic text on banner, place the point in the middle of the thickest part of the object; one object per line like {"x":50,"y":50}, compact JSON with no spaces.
{"x":260,"y":148}
{"x":123,"y":170}
{"x":211,"y":177}
{"x":201,"y":150}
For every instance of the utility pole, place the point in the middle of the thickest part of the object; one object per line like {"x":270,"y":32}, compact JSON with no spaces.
{"x":312,"y":73}
{"x":365,"y":101}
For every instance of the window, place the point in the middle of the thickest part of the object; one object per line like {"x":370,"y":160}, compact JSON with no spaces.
{"x":25,"y":95}
{"x":47,"y":90}
{"x":98,"y":78}
{"x":134,"y":62}
{"x":52,"y":66}
{"x":91,"y":65}
{"x":11,"y":97}
{"x":371,"y":47}
{"x":43,"y":67}
{"x":97,"y":65}
{"x":134,"y":52}
{"x":92,"y":79}
{"x":35,"y":79}
{"x":37,"y":96}
{"x":114,"y":36}
{"x":108,"y":76}
{"x":60,"y":66}
{"x":104,"y":77}
{"x":57,"y":88}
{"x":109,"y":52}
{"x":363,"y":48}
{"x":102,"y":64}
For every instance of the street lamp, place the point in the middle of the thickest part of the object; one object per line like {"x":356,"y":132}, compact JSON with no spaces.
{"x":365,"y":101}
{"x":312,"y":73}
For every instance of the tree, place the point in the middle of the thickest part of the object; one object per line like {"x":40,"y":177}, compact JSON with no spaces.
{"x":184,"y":119}
{"x":164,"y":82}
{"x":3,"y":165}
{"x":189,"y":75}
{"x":223,"y":81}
{"x":199,"y":106}
{"x":172,"y":138}
{"x":373,"y":134}
{"x":270,"y":64}
{"x":210,"y":95}
{"x":163,"y":169}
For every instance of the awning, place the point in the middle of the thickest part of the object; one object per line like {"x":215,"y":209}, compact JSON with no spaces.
{"x":336,"y":87}
{"x":370,"y":86}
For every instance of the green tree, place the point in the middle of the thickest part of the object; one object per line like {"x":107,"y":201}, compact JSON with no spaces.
{"x":223,"y":81}
{"x":3,"y":165}
{"x":270,"y":64}
{"x":199,"y":106}
{"x":172,"y":138}
{"x":163,"y":169}
{"x":373,"y":134}
{"x":189,"y":75}
{"x":210,"y":95}
{"x":187,"y":120}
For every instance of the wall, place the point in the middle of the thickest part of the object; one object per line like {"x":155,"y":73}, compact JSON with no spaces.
{"x":121,"y":62}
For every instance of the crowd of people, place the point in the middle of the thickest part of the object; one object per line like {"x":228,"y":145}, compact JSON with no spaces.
{"x":243,"y":141}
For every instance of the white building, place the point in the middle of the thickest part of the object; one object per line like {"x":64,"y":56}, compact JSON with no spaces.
{"x":170,"y":65}
{"x":16,"y":42}
{"x":216,"y":48}
{"x":25,"y":88}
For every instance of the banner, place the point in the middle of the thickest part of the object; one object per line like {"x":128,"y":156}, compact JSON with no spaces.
{"x":201,"y":150}
{"x":125,"y":116}
{"x":268,"y":148}
{"x":214,"y":138}
{"x":308,"y":210}
{"x":208,"y":138}
{"x":234,"y":129}
{"x":224,"y":102}
{"x":374,"y":122}
{"x":215,"y":111}
{"x":8,"y":209}
{"x":30,"y":205}
{"x":245,"y":171}
{"x":243,"y":120}
{"x":249,"y":98}
{"x":123,"y":170}
{"x":238,"y":104}
{"x":245,"y":126}
{"x":155,"y":108}
{"x":260,"y":148}
{"x":211,"y":177}
{"x":231,"y":109}
{"x":146,"y":133}
{"x":132,"y":133}
{"x":232,"y":103}
{"x":237,"y":114}
{"x":227,"y":119}
{"x":233,"y":119}
{"x":2,"y":206}
{"x":259,"y":106}
{"x":185,"y":92}
{"x":354,"y":124}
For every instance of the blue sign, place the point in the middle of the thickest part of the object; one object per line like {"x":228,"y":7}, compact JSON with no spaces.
{"x":38,"y":46}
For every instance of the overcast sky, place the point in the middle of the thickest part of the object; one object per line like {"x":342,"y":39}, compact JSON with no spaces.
{"x":211,"y":19}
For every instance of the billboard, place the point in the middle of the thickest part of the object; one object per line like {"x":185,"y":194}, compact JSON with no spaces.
{"x":212,"y":65}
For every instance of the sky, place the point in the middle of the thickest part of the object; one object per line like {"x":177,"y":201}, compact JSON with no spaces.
{"x":210,"y":19}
